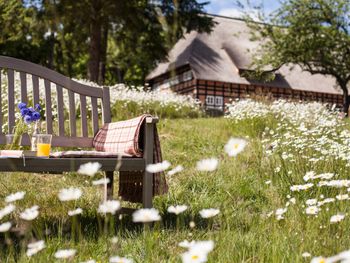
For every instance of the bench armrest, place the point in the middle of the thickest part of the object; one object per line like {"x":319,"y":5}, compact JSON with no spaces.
{"x":152,"y":120}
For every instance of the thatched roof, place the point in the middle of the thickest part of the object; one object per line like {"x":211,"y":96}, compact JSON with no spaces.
{"x":220,"y":55}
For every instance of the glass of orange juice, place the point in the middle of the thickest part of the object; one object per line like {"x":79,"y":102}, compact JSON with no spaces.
{"x":43,"y":145}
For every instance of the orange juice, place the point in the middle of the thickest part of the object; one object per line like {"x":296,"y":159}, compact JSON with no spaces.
{"x":43,"y":149}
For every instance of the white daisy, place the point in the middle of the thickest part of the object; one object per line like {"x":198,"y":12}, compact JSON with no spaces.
{"x":15,"y":197}
{"x":109,"y":207}
{"x":207,"y":213}
{"x":74,"y":212}
{"x":234,"y":146}
{"x":337,"y":218}
{"x":177,"y":209}
{"x":146,"y":215}
{"x":207,"y":165}
{"x":158,"y":167}
{"x":7,"y":210}
{"x":65,"y":253}
{"x":89,"y":169}
{"x":30,"y":214}
{"x":4,"y":227}
{"x":177,"y":169}
{"x":34,"y":248}
{"x":69,"y":194}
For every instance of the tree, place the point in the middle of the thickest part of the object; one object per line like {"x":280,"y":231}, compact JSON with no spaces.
{"x":313,"y":34}
{"x":136,"y":26}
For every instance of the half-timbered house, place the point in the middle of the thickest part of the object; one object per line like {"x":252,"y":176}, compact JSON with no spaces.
{"x":210,"y":67}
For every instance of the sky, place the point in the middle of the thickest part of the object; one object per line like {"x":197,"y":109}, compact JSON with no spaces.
{"x":230,"y":8}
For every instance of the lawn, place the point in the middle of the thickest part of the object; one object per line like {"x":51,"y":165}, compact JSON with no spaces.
{"x":245,"y":188}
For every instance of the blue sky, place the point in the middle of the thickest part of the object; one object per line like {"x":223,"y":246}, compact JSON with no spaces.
{"x":229,"y":8}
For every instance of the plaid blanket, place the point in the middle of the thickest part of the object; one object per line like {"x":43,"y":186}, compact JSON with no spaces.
{"x":125,"y":138}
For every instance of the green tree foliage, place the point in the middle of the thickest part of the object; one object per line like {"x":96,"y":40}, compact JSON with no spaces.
{"x":313,"y":34}
{"x":107,"y":41}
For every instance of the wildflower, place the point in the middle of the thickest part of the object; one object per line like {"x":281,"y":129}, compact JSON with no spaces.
{"x":298,"y":188}
{"x":102,"y":181}
{"x":177,"y":209}
{"x":192,"y":224}
{"x":4,"y":227}
{"x":207,"y":213}
{"x":177,"y":169}
{"x":207,"y":165}
{"x":69,"y":194}
{"x":312,"y":210}
{"x":77,"y":211}
{"x":292,"y":200}
{"x":319,"y":260}
{"x":342,"y":197}
{"x":109,"y":206}
{"x":234,"y":146}
{"x":89,"y":169}
{"x":117,"y":259}
{"x":194,"y":256}
{"x":14,"y":197}
{"x":65,"y":253}
{"x":325,"y":201}
{"x":309,"y":175}
{"x":7,"y":210}
{"x":34,"y":248}
{"x":306,"y":255}
{"x":337,"y":218}
{"x":30,"y":214}
{"x":158,"y":167}
{"x":89,"y":261}
{"x":146,"y":215}
{"x":268,"y":182}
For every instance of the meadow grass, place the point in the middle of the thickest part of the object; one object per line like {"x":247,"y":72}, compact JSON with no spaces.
{"x":242,"y":232}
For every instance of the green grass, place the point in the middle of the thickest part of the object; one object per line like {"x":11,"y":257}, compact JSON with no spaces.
{"x":241,"y":232}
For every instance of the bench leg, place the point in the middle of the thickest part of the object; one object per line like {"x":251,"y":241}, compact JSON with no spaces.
{"x":147,"y":190}
{"x":110,"y":185}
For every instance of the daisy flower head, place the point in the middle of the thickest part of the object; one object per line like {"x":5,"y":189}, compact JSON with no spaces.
{"x":177,"y":209}
{"x":208,"y":213}
{"x":69,"y":194}
{"x":109,"y":207}
{"x":15,"y":197}
{"x":337,"y":218}
{"x":158,"y":167}
{"x":89,"y":169}
{"x":34,"y":248}
{"x":30,"y":214}
{"x":4,"y":227}
{"x":65,"y":253}
{"x":146,"y":215}
{"x":234,"y":146}
{"x":207,"y":165}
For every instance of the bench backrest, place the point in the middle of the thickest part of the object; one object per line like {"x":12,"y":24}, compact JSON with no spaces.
{"x":56,"y":90}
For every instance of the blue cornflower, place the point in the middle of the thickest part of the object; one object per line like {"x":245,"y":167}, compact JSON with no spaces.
{"x":36,"y":116}
{"x":22,"y":105}
{"x":37,"y":107}
{"x":24,"y":111}
{"x":27,"y":119}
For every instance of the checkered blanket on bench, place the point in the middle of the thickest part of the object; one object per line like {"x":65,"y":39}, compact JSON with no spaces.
{"x":125,"y":138}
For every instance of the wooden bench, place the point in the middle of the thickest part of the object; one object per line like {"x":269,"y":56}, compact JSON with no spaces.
{"x":67,"y":136}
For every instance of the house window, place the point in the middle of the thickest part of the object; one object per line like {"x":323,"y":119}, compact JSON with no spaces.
{"x":187,"y":76}
{"x":210,"y":100}
{"x":218,"y":101}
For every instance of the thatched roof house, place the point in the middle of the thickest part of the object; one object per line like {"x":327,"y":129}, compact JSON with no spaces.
{"x":210,"y":66}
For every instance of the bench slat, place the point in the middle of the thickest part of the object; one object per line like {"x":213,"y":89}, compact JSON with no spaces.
{"x":23,"y":77}
{"x":83,"y":116}
{"x":35,"y":80}
{"x":72,"y":123}
{"x":0,"y":104}
{"x":11,"y":100}
{"x":60,"y":110}
{"x":94,"y":115}
{"x":40,"y":165}
{"x":48,"y":106}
